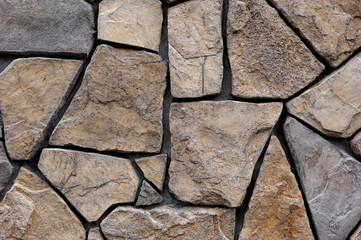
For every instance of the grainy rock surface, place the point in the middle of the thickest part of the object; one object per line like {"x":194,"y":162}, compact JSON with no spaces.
{"x":6,"y":169}
{"x":169,"y":223}
{"x":119,"y":104}
{"x":195,"y":48}
{"x":267,"y":59}
{"x":330,"y":178}
{"x":356,"y":235}
{"x":32,"y":210}
{"x":356,"y":145}
{"x":50,"y":27}
{"x":334,"y":105}
{"x":332,"y":27}
{"x":132,"y":22}
{"x":276,"y":210}
{"x":31,"y":93}
{"x":91,"y":182}
{"x":215,"y":146}
{"x":148,"y":195}
{"x":154,"y":169}
{"x":94,"y":234}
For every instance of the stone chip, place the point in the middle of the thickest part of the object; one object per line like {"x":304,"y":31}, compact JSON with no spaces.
{"x":94,"y":234}
{"x":357,"y":234}
{"x":148,"y":195}
{"x":154,"y":169}
{"x":356,"y":145}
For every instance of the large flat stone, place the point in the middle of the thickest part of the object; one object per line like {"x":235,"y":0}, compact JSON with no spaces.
{"x":6,"y":169}
{"x":154,"y":169}
{"x":215,"y":146}
{"x":357,"y":234}
{"x":119,"y":104}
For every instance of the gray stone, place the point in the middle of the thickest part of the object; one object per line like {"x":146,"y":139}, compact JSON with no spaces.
{"x":148,"y":196}
{"x":330,"y":178}
{"x":6,"y":169}
{"x":154,"y":169}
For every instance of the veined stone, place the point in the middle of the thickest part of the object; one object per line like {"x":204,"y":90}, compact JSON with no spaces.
{"x":6,"y":169}
{"x":356,"y":145}
{"x":148,"y":195}
{"x":215,"y":146}
{"x":154,"y":169}
{"x":119,"y":104}
{"x":268,"y":59}
{"x":32,"y":91}
{"x":356,"y":235}
{"x":94,"y":234}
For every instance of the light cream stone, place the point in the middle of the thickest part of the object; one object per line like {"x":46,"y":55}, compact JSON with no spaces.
{"x":356,"y":145}
{"x":215,"y":146}
{"x":357,"y":234}
{"x":195,"y":48}
{"x":154,"y":169}
{"x":119,"y":105}
{"x":148,"y":195}
{"x":94,"y":234}
{"x":132,"y":22}
{"x":91,"y":182}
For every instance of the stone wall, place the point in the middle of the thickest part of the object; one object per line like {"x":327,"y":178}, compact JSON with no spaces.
{"x":190,"y":119}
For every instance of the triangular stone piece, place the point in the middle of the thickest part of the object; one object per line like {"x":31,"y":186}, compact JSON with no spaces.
{"x":148,"y":195}
{"x":154,"y":169}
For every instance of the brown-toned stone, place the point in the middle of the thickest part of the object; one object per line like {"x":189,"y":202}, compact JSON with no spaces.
{"x":276,"y":210}
{"x":32,"y":92}
{"x":94,"y":234}
{"x":148,"y":195}
{"x":357,"y":234}
{"x":154,"y":169}
{"x":267,"y":58}
{"x":356,"y":145}
{"x":119,"y":104}
{"x":6,"y":169}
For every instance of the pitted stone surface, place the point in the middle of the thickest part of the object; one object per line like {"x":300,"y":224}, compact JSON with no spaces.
{"x":356,"y":145}
{"x":119,"y":104}
{"x":6,"y":169}
{"x":330,"y":178}
{"x":148,"y":195}
{"x":154,"y":169}
{"x":91,"y":182}
{"x":94,"y":234}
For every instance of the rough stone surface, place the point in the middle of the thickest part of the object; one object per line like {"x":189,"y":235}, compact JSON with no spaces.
{"x":195,"y":48}
{"x":332,"y":27}
{"x":215,"y":146}
{"x":94,"y":234}
{"x":119,"y":105}
{"x":154,"y":169}
{"x":334,"y":105}
{"x":51,"y":27}
{"x":356,"y":145}
{"x":169,"y":223}
{"x":132,"y":22}
{"x":32,"y":210}
{"x":148,"y":195}
{"x":330,"y":178}
{"x":356,"y":235}
{"x":32,"y":91}
{"x":276,"y":210}
{"x":91,"y":182}
{"x":6,"y":169}
{"x":267,"y":58}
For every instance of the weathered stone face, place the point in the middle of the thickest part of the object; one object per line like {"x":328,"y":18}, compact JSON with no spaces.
{"x":119,"y":105}
{"x":267,"y":59}
{"x":195,"y":48}
{"x":333,"y":106}
{"x":148,"y":195}
{"x":330,"y":178}
{"x":32,"y":210}
{"x":215,"y":146}
{"x":154,"y":169}
{"x":356,"y":145}
{"x":169,"y":223}
{"x":32,"y":92}
{"x":6,"y":169}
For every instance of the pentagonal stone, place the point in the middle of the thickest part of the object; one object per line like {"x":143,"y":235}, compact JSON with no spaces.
{"x":6,"y":169}
{"x":148,"y":195}
{"x":154,"y":169}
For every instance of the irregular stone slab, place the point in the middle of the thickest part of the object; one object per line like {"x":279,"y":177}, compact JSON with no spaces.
{"x":154,"y":169}
{"x":330,"y":178}
{"x":32,"y":210}
{"x":215,"y":146}
{"x":195,"y":48}
{"x":356,"y":235}
{"x":119,"y":106}
{"x":148,"y":195}
{"x":94,"y":234}
{"x":51,"y":27}
{"x":276,"y":210}
{"x":332,"y":27}
{"x":334,"y":105}
{"x":6,"y":169}
{"x":132,"y":22}
{"x":267,"y":58}
{"x":32,"y":92}
{"x":356,"y":145}
{"x":169,"y":223}
{"x":91,"y":182}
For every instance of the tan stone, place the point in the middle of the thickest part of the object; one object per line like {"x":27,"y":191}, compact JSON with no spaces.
{"x":267,"y":58}
{"x":332,"y":27}
{"x":334,"y":105}
{"x":357,"y":234}
{"x":154,"y":169}
{"x":132,"y":22}
{"x":94,"y":234}
{"x":187,"y":223}
{"x":195,"y":48}
{"x":32,"y":92}
{"x":148,"y":195}
{"x":119,"y":105}
{"x":215,"y":146}
{"x":276,"y":209}
{"x":91,"y":182}
{"x":356,"y":145}
{"x":32,"y":210}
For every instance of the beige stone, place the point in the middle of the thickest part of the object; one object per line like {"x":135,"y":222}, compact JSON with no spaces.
{"x":356,"y":145}
{"x":332,"y":27}
{"x":154,"y":169}
{"x":148,"y":195}
{"x":334,"y":105}
{"x":357,"y":234}
{"x":32,"y":210}
{"x":32,"y":92}
{"x":132,"y":22}
{"x":187,"y":223}
{"x":94,"y":234}
{"x":91,"y":182}
{"x":119,"y":105}
{"x":267,"y":58}
{"x":215,"y":146}
{"x":276,"y":209}
{"x":195,"y":48}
